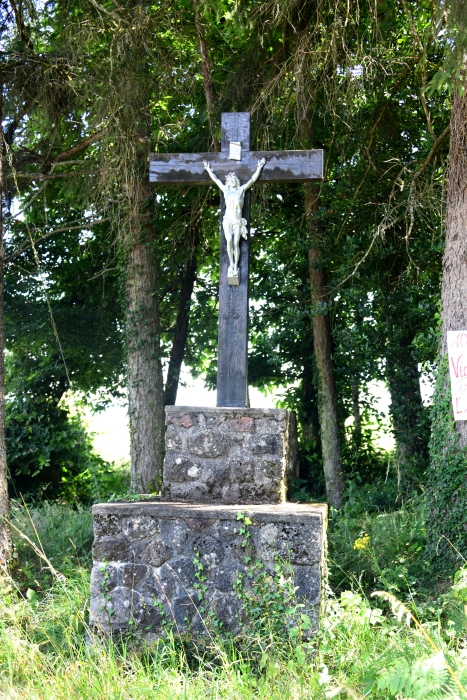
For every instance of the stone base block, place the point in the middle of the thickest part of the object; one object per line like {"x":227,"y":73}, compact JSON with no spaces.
{"x":195,"y":567}
{"x":229,"y":455}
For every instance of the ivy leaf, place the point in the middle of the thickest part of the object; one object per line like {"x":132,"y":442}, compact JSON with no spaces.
{"x":300,"y":655}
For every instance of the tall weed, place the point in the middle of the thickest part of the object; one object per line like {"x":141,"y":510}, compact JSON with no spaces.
{"x":62,"y":532}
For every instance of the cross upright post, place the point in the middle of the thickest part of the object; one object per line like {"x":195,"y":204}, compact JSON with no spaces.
{"x":235,"y":155}
{"x":232,"y":349}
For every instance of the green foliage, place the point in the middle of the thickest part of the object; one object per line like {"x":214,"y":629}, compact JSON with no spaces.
{"x":62,"y":330}
{"x":211,"y":622}
{"x":381,"y":496}
{"x":459,"y":588}
{"x":451,"y":75}
{"x":366,"y":464}
{"x":369,"y":548}
{"x":200,"y":585}
{"x":45,"y":652}
{"x":446,"y":484}
{"x":424,"y":679}
{"x":135,"y":71}
{"x":50,"y":454}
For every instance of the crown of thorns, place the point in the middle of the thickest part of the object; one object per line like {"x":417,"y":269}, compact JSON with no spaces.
{"x":231,"y":175}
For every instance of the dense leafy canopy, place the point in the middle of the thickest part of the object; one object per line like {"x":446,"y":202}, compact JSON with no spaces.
{"x":90,"y":88}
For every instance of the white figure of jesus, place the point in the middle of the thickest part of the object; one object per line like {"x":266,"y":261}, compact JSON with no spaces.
{"x":233,"y":224}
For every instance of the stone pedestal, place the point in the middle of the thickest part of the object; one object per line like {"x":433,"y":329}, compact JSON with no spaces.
{"x":196,"y":559}
{"x":229,"y":455}
{"x":191,"y":565}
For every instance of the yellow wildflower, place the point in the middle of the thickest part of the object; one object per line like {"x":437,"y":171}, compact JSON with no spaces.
{"x":362,"y":542}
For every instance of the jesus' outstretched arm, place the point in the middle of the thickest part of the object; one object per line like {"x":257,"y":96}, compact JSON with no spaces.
{"x":215,"y":179}
{"x":256,"y":174}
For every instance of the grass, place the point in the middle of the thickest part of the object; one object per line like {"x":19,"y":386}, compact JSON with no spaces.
{"x":362,"y":650}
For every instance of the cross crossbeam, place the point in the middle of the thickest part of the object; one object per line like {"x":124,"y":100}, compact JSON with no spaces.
{"x":189,"y":169}
{"x":281,"y":166}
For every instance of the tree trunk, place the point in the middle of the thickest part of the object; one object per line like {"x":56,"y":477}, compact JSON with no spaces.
{"x":177,"y":351}
{"x":145,"y":382}
{"x":327,"y":394}
{"x":327,"y":400}
{"x":5,"y":540}
{"x":446,"y":521}
{"x":308,"y":413}
{"x":357,"y":416}
{"x":454,"y":285}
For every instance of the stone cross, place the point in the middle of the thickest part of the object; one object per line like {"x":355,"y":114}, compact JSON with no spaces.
{"x":235,"y":156}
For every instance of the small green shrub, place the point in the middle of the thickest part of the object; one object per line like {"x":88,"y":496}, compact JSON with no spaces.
{"x":371,"y":549}
{"x":50,"y":453}
{"x":423,"y":679}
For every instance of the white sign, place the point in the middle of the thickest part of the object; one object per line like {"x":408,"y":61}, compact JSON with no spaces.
{"x":235,"y":150}
{"x":457,"y":354}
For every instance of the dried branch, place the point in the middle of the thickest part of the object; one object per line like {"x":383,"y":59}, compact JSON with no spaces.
{"x":42,"y":176}
{"x":102,"y":272}
{"x":432,"y":152}
{"x":29,"y":202}
{"x":39,"y":552}
{"x":414,"y":63}
{"x":383,"y":226}
{"x":28,"y":244}
{"x":79,"y":146}
{"x":360,"y":262}
{"x":60,"y":158}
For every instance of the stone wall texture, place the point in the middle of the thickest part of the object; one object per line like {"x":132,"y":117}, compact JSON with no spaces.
{"x":229,"y":455}
{"x":144,"y":574}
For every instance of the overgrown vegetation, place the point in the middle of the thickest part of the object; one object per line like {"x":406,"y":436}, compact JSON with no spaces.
{"x":364,"y":648}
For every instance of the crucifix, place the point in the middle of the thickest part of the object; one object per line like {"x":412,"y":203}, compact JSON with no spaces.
{"x":237,"y":164}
